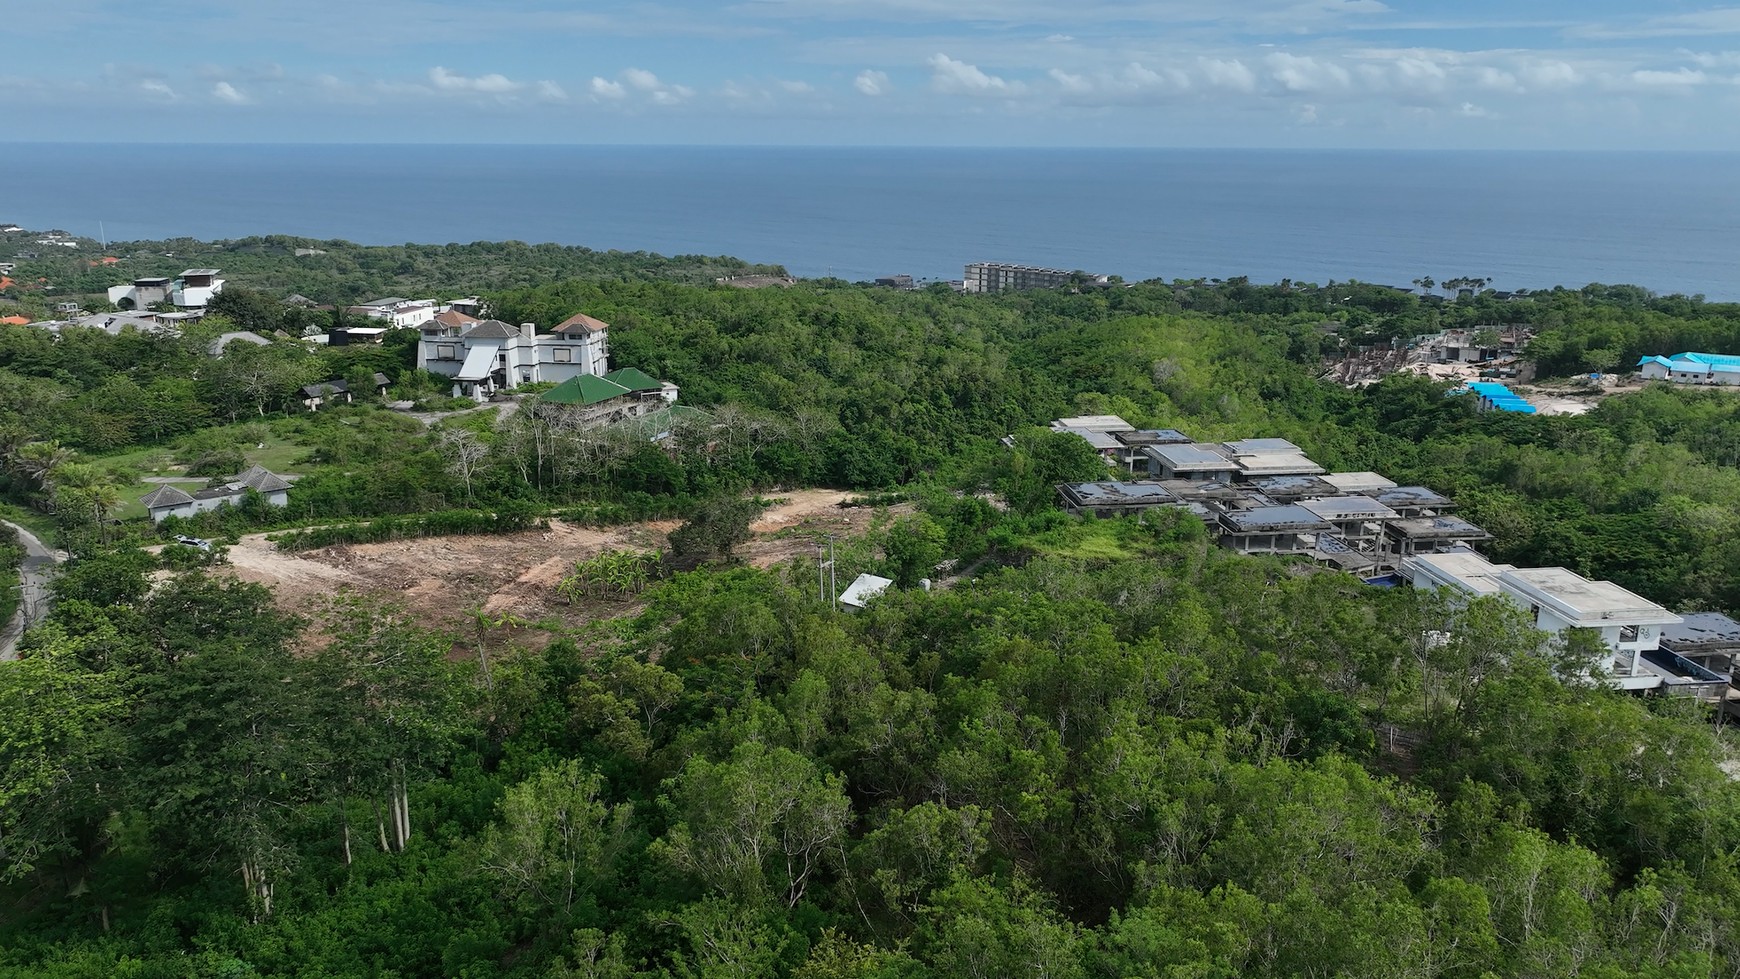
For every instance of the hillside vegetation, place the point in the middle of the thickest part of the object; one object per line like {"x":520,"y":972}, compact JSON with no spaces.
{"x":1096,"y":749}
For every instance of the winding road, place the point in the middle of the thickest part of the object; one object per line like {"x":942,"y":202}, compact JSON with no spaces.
{"x":34,"y":573}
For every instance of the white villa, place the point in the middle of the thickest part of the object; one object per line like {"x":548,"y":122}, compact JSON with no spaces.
{"x":1558,"y":599}
{"x":398,"y":313}
{"x":486,"y":356}
{"x":192,"y":289}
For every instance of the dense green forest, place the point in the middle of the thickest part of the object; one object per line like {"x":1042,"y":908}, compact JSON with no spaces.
{"x":338,"y":272}
{"x":1107,"y":749}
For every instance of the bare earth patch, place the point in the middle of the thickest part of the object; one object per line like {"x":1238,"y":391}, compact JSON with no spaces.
{"x":441,"y":579}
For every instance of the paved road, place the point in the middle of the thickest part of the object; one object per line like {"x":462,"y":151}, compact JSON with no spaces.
{"x":34,"y":574}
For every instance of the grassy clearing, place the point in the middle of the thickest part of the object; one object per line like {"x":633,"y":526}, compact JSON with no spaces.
{"x":1093,"y":540}
{"x":277,"y":452}
{"x":35,"y":521}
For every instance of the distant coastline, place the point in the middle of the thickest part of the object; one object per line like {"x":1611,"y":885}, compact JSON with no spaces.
{"x":1669,"y":222}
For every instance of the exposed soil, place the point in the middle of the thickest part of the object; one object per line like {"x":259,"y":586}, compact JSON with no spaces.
{"x":441,"y":579}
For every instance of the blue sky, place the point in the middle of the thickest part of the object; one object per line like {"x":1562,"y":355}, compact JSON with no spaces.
{"x":1271,"y":73}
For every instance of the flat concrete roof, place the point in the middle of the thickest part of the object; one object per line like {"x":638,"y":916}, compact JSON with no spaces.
{"x":1154,"y":436}
{"x":1349,"y":508}
{"x":1583,"y":601}
{"x":1344,"y":555}
{"x":1193,"y":457}
{"x":1097,"y":439}
{"x":1273,"y":519}
{"x":1437,"y":528}
{"x":1411,"y":496}
{"x":1297,"y":486}
{"x":1142,"y":493}
{"x":1276,"y":464}
{"x":1264,"y":447}
{"x":1094,"y":423}
{"x":1190,"y":489}
{"x":1247,"y":499}
{"x":1466,"y":569}
{"x":1700,"y":632}
{"x":1360,"y":482}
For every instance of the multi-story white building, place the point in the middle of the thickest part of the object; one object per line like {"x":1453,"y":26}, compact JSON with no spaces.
{"x":486,"y":356}
{"x":396,"y":312}
{"x":192,"y":289}
{"x":1558,"y":599}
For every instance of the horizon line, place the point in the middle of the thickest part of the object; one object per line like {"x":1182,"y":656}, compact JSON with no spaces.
{"x":860,"y":147}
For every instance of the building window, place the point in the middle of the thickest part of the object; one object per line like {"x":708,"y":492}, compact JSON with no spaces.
{"x":1628,"y":633}
{"x":562,"y":355}
{"x":444,"y":351}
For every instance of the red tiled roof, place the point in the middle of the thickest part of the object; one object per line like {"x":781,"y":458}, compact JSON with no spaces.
{"x":581,"y":321}
{"x":14,"y":320}
{"x":454,"y":317}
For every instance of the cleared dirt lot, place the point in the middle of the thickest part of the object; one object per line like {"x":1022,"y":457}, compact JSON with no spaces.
{"x":440,"y":579}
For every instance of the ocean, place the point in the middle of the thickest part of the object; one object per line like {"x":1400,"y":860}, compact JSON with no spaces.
{"x":1667,"y":221}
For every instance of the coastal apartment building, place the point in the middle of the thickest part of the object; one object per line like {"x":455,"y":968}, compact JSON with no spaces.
{"x":998,"y":277}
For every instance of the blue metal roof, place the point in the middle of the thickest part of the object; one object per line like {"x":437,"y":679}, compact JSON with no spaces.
{"x":1500,"y":397}
{"x":1714,"y":360}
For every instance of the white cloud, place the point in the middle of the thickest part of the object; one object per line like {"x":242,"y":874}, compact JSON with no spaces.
{"x":1714,"y":59}
{"x":551,"y":92}
{"x":1548,"y":74}
{"x":225,"y":92}
{"x":1496,"y":79}
{"x":1720,"y":20}
{"x":1471,"y":111}
{"x":152,"y":86}
{"x":1420,"y":74}
{"x":1298,"y":73}
{"x":1133,"y":83}
{"x":642,"y":83}
{"x":448,"y":81}
{"x":1681,"y":78}
{"x":797,"y":87}
{"x":959,"y":78}
{"x":1071,"y":84}
{"x":640,"y":79}
{"x":871,"y":82}
{"x":1231,"y":75}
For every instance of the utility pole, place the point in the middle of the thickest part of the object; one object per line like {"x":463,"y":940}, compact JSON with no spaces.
{"x":825,"y":580}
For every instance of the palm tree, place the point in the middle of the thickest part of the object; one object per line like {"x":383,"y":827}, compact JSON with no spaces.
{"x":39,"y":460}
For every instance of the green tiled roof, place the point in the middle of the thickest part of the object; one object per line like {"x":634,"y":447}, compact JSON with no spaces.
{"x":634,"y":379}
{"x":585,"y":389}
